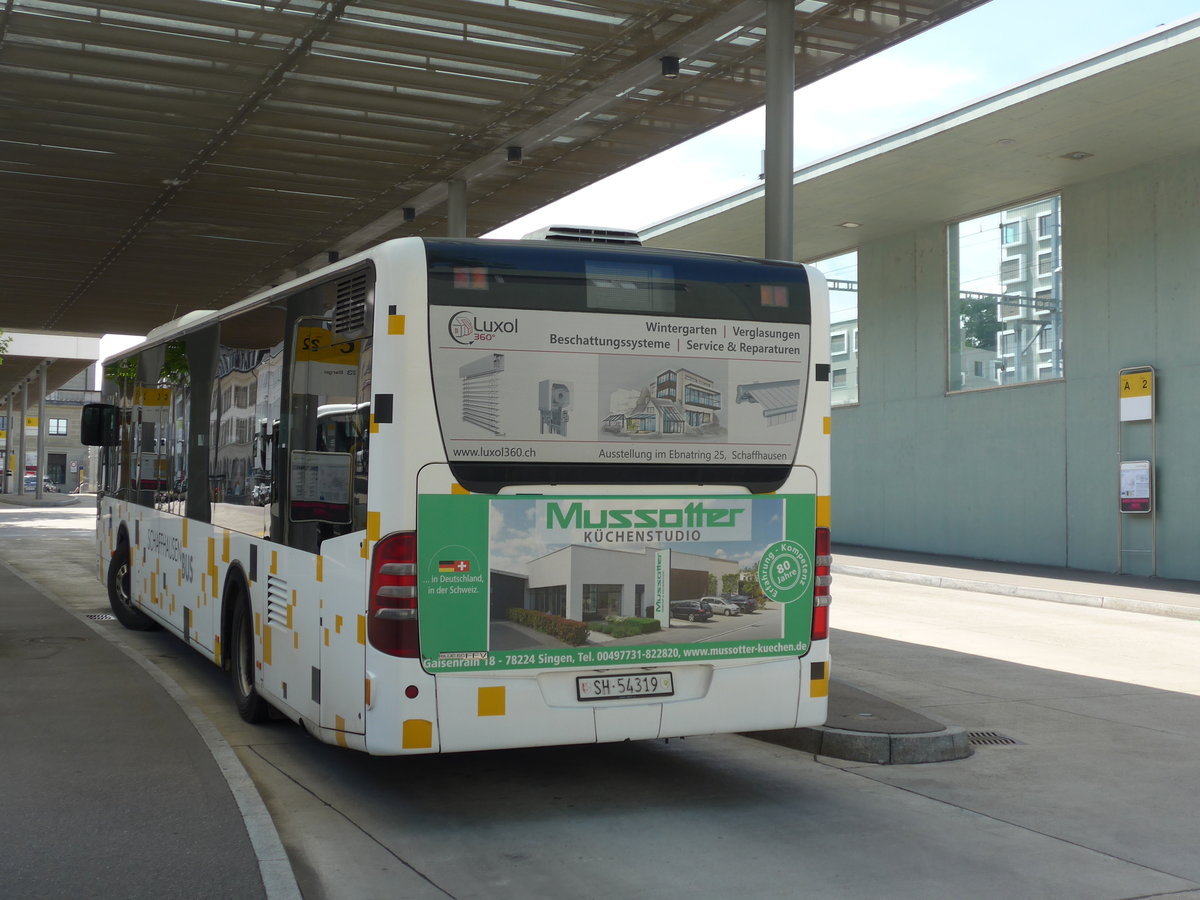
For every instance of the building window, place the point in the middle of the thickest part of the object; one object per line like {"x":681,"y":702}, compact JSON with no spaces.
{"x":1005,"y":311}
{"x":56,"y":427}
{"x":601,"y":601}
{"x":552,"y":600}
{"x":694,"y":396}
{"x":841,"y":272}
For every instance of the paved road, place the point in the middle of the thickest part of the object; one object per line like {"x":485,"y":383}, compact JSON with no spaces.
{"x":1096,"y":801}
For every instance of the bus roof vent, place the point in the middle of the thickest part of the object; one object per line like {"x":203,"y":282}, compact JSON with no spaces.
{"x":352,"y":304}
{"x":188,"y":318}
{"x":584,"y":234}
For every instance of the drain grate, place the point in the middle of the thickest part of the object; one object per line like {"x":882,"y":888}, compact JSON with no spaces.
{"x":991,"y":739}
{"x":101,"y":617}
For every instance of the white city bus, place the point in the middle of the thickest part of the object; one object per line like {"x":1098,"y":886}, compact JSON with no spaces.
{"x":452,"y":495}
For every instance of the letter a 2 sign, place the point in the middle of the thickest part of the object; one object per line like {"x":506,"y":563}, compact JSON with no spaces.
{"x":1136,"y":395}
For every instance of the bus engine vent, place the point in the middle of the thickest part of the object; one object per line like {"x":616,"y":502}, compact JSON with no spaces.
{"x":351,"y":310}
{"x":578,"y":233}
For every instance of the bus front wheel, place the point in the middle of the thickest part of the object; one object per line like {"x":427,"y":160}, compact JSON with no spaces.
{"x":120,"y":597}
{"x":251,"y":706}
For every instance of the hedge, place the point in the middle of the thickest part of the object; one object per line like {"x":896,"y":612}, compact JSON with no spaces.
{"x":627,"y":627}
{"x":567,"y":630}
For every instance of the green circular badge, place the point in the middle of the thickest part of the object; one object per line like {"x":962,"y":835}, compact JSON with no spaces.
{"x":785,"y":571}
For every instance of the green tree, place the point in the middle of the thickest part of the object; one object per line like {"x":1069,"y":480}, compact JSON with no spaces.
{"x":5,"y":340}
{"x":979,"y":325}
{"x":750,"y":585}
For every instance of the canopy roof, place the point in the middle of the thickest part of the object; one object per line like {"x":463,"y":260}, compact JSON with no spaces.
{"x":159,"y":156}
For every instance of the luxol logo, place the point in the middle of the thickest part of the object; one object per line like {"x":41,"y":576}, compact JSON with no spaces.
{"x":466,"y":328}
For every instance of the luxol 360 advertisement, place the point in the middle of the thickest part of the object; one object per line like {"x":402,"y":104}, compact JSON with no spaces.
{"x":544,"y":386}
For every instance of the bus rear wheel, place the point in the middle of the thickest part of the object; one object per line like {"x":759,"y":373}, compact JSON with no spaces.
{"x":250,"y":705}
{"x":120,"y":598}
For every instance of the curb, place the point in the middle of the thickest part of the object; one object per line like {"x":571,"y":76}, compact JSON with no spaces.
{"x":948,"y":744}
{"x":1121,"y":604}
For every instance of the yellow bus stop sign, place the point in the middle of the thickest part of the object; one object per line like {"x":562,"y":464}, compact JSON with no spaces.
{"x":1136,"y":396}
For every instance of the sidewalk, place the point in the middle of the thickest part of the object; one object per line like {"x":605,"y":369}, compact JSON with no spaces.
{"x":47,"y":499}
{"x":107,"y":787}
{"x":1128,"y":593}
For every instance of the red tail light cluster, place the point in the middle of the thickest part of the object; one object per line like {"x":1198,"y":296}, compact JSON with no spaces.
{"x":392,"y":624}
{"x":821,"y":596}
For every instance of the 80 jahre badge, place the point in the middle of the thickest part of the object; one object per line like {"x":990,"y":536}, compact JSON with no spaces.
{"x":785,"y":571}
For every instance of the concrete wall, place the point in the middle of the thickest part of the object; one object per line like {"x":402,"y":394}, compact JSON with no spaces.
{"x":1029,"y":472}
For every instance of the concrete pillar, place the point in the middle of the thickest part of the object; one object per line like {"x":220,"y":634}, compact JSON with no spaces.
{"x":19,"y":468}
{"x":781,"y":90}
{"x":41,"y":433}
{"x":8,"y":443}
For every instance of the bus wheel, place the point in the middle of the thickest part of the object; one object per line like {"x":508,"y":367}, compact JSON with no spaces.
{"x":251,"y":706}
{"x":119,"y":596}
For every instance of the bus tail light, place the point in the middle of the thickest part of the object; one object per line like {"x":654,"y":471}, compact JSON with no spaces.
{"x":392,"y":624}
{"x":821,"y":582}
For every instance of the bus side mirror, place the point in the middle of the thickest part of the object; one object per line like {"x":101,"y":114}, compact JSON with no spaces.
{"x":98,"y":425}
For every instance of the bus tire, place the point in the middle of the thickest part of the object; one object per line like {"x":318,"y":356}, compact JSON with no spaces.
{"x":251,"y":707}
{"x":120,"y":598}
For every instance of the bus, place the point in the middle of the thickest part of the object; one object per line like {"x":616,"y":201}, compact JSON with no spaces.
{"x":450,"y":495}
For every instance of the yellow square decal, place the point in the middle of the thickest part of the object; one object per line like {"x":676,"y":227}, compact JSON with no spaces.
{"x":491,"y":701}
{"x":417,"y":734}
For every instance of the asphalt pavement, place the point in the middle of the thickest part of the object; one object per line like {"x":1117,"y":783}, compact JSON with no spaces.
{"x":864,"y":727}
{"x":103,"y":754}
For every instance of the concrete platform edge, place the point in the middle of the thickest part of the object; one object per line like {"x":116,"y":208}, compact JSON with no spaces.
{"x":948,"y":744}
{"x":1122,"y":604}
{"x":279,"y":880}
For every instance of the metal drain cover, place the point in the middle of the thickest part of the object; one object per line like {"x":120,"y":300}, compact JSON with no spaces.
{"x":101,"y":617}
{"x":990,"y":739}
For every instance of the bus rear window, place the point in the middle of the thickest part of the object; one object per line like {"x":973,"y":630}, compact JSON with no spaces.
{"x":639,"y":281}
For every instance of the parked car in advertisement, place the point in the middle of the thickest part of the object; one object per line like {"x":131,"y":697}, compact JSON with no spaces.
{"x":692,"y":610}
{"x":747,"y":604}
{"x":722,"y":607}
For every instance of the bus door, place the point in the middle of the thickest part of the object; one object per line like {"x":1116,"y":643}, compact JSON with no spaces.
{"x":325,"y":458}
{"x":152,"y":411}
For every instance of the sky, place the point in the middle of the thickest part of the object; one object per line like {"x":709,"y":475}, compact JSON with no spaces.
{"x":983,"y":52}
{"x":980,"y":53}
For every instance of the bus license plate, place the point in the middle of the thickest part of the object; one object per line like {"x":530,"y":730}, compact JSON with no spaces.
{"x":616,"y":687}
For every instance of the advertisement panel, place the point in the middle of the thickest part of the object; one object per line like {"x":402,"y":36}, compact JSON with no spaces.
{"x":542,"y":386}
{"x":511,"y":582}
